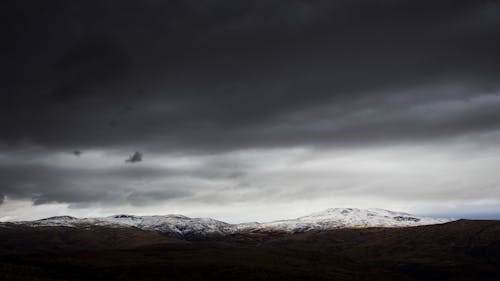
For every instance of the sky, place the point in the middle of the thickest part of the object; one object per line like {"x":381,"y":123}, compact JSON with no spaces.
{"x":249,"y":110}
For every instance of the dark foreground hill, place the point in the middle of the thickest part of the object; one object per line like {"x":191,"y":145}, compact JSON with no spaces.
{"x":460,"y":250}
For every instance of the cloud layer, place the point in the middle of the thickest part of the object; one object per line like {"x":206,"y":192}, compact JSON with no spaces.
{"x":223,"y":85}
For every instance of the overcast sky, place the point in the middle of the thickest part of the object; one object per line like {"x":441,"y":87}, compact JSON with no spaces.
{"x":249,"y":110}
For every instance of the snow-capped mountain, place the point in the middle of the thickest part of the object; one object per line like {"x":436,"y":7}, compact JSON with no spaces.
{"x":350,"y":218}
{"x":183,"y":226}
{"x":174,"y":224}
{"x":177,"y":225}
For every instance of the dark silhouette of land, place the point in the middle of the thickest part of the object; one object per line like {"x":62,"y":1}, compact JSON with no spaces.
{"x":460,"y":250}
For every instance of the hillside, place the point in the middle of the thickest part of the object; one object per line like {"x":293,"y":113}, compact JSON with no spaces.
{"x":459,"y":250}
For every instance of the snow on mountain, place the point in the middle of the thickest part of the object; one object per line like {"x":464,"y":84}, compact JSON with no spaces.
{"x":174,"y":224}
{"x":183,"y":226}
{"x":64,"y":221}
{"x":350,"y":217}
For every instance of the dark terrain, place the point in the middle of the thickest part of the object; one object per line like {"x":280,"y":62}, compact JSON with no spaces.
{"x":461,"y":250}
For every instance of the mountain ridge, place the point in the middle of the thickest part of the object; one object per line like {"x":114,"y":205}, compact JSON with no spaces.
{"x":183,"y":226}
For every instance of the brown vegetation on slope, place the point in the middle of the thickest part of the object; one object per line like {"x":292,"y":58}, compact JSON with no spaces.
{"x":462,"y":250}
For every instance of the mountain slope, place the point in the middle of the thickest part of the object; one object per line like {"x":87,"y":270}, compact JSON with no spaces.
{"x":459,"y":250}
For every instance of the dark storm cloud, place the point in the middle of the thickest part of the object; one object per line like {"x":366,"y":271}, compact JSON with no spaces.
{"x":136,"y":157}
{"x":221,"y":75}
{"x":2,"y":198}
{"x":92,"y":63}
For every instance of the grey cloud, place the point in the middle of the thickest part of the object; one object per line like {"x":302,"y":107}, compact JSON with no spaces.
{"x":2,"y":198}
{"x":261,"y":177}
{"x":136,"y":157}
{"x":45,"y":184}
{"x":141,"y":198}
